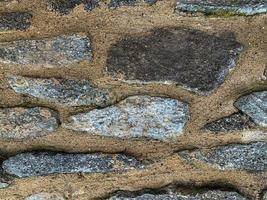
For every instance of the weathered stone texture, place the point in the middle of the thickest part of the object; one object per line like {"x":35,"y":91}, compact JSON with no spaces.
{"x":118,"y":3}
{"x":20,"y":123}
{"x":234,"y":122}
{"x":194,"y":59}
{"x":64,"y":92}
{"x":64,"y":7}
{"x":135,"y":117}
{"x":251,"y":157}
{"x":238,"y":7}
{"x":46,"y":196}
{"x":264,"y":197}
{"x":255,"y":106}
{"x":15,"y":21}
{"x":61,"y":50}
{"x":45,"y":163}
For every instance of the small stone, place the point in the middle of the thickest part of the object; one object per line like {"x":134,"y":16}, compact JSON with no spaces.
{"x":255,"y":106}
{"x":135,"y":117}
{"x":15,"y":21}
{"x":46,"y":196}
{"x":64,"y":92}
{"x":3,"y":185}
{"x":192,"y":58}
{"x":20,"y":123}
{"x":234,"y":122}
{"x":118,"y":3}
{"x":64,"y":7}
{"x":45,"y":163}
{"x":264,"y":196}
{"x":250,"y":157}
{"x":223,"y":7}
{"x":61,"y":50}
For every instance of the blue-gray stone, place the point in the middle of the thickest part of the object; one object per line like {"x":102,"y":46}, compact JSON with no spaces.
{"x":15,"y":21}
{"x":250,"y":157}
{"x":118,"y":3}
{"x":135,"y":117}
{"x":237,"y":7}
{"x":46,"y":196}
{"x":255,"y":106}
{"x":45,"y":163}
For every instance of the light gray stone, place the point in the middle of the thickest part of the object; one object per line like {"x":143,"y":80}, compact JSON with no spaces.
{"x":255,"y":106}
{"x":63,"y":92}
{"x":264,"y":197}
{"x":135,"y":117}
{"x":57,"y":51}
{"x":45,"y":163}
{"x":3,"y":185}
{"x":20,"y":123}
{"x":250,"y":157}
{"x":46,"y":196}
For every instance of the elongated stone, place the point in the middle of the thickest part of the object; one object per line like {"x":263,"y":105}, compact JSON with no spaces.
{"x":64,"y":92}
{"x":234,"y":122}
{"x":44,"y":163}
{"x":61,"y":50}
{"x":14,"y":21}
{"x":264,"y":197}
{"x":135,"y":117}
{"x":227,"y":7}
{"x":251,"y":157}
{"x":194,"y":59}
{"x":64,"y":7}
{"x":255,"y":106}
{"x":118,"y":3}
{"x":46,"y":196}
{"x":20,"y":123}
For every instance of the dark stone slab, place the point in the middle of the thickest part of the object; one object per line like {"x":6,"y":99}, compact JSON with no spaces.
{"x":223,"y":7}
{"x":118,"y":3}
{"x":64,"y":7}
{"x":20,"y":123}
{"x":44,"y":163}
{"x":255,"y":106}
{"x":63,"y":92}
{"x":250,"y":157}
{"x":234,"y":122}
{"x":61,"y":50}
{"x":194,"y":59}
{"x":15,"y":21}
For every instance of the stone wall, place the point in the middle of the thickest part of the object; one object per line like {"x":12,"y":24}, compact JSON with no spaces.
{"x":133,"y":99}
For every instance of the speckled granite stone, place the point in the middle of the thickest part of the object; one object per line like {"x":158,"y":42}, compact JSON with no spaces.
{"x":63,"y":92}
{"x":234,"y":122}
{"x":45,"y":163}
{"x":46,"y":196}
{"x":118,"y":3}
{"x":135,"y":117}
{"x":61,"y":50}
{"x":15,"y":21}
{"x":64,"y":7}
{"x":197,"y":60}
{"x":251,"y":157}
{"x":20,"y":123}
{"x":255,"y":106}
{"x":237,"y":7}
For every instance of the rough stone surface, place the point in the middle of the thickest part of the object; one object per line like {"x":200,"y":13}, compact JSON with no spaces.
{"x":44,"y":163}
{"x":61,"y":50}
{"x":264,"y":197}
{"x":251,"y":157}
{"x":209,"y":195}
{"x":46,"y":196}
{"x":118,"y":3}
{"x":64,"y":7}
{"x":20,"y":123}
{"x":238,"y":7}
{"x":135,"y":117}
{"x":15,"y":21}
{"x":194,"y":59}
{"x":64,"y":92}
{"x":255,"y":106}
{"x":234,"y":122}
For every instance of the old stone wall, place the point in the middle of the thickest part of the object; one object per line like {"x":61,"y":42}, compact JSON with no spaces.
{"x":133,"y":99}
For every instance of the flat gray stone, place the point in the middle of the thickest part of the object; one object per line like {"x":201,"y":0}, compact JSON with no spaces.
{"x":64,"y":7}
{"x":45,"y":163}
{"x":46,"y":196}
{"x":15,"y":21}
{"x":234,"y":122}
{"x":250,"y":157}
{"x":64,"y":92}
{"x":255,"y":106}
{"x":61,"y":50}
{"x":227,"y":7}
{"x":264,"y":197}
{"x":135,"y":117}
{"x":194,"y":59}
{"x":20,"y":123}
{"x":208,"y":195}
{"x":118,"y":3}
